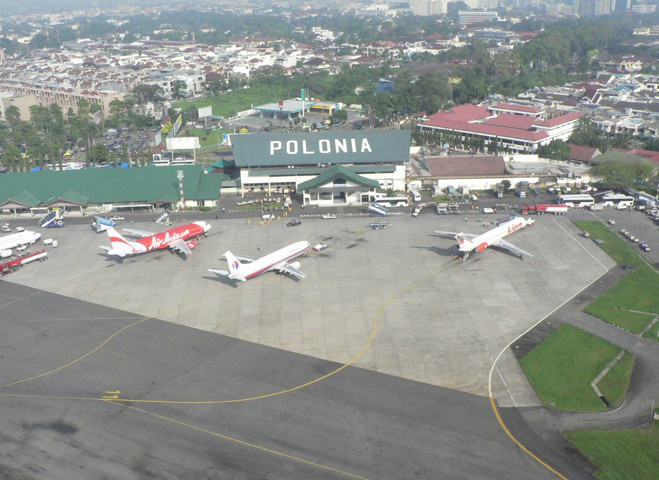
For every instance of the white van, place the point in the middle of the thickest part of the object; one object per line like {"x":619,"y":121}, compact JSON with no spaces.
{"x":416,"y":196}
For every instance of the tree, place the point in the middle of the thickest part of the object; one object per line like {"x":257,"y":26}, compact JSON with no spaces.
{"x":619,"y":173}
{"x":99,"y":154}
{"x":556,"y":150}
{"x":145,"y":93}
{"x":651,"y":143}
{"x":12,"y":116}
{"x":56,"y":119}
{"x":339,"y":116}
{"x":10,"y":157}
{"x":191,"y":114}
{"x":179,"y":89}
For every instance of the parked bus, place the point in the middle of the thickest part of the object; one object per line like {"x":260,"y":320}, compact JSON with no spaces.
{"x":416,"y":196}
{"x":393,"y":201}
{"x":617,"y":200}
{"x":577,"y":200}
{"x":183,"y":161}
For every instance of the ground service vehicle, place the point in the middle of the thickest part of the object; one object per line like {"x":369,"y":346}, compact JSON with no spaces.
{"x":543,"y":208}
{"x":14,"y":265}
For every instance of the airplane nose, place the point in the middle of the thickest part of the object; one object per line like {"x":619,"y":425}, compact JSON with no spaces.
{"x":207,"y":226}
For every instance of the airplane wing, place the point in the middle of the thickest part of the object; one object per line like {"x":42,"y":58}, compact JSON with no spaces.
{"x":223,"y":273}
{"x":139,"y":233}
{"x":180,"y":246}
{"x":440,"y":233}
{"x":290,"y":269}
{"x":511,"y":248}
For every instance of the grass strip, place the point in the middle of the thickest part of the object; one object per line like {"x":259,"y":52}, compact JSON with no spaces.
{"x":561,"y":368}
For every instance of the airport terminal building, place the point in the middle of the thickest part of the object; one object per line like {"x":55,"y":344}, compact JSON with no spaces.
{"x":103,"y":190}
{"x":326,"y":168}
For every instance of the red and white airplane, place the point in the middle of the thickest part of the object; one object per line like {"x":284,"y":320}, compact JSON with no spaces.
{"x":243,"y":268}
{"x":179,"y":239}
{"x":468,"y":242}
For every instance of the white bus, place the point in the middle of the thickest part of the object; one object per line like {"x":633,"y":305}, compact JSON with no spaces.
{"x":393,"y":201}
{"x":182,"y":161}
{"x":416,"y":196}
{"x":617,"y":200}
{"x":577,"y":200}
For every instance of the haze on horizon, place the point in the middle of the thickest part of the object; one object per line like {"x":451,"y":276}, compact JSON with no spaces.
{"x":13,"y":7}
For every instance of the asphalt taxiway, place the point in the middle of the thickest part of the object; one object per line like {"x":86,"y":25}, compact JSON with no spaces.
{"x":203,"y":405}
{"x":423,"y":329}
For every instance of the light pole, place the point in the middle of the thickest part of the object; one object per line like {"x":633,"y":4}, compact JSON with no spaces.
{"x":180,"y":175}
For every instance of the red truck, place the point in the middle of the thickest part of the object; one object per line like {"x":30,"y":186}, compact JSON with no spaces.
{"x":545,"y":208}
{"x":15,"y":264}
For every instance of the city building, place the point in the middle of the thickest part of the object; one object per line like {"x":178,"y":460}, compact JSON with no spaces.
{"x":428,"y":7}
{"x":468,"y":17}
{"x":109,"y":189}
{"x":282,"y":162}
{"x":503,"y":127}
{"x":28,"y":94}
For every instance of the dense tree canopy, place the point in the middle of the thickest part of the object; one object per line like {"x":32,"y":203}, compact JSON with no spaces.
{"x":620,"y":173}
{"x":556,"y":150}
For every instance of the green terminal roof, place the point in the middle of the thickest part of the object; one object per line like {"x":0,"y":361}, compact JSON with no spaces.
{"x":338,"y":171}
{"x":109,"y":185}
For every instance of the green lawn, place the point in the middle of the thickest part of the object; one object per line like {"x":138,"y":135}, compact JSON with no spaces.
{"x":614,"y":385}
{"x":228,"y":104}
{"x":637,"y":291}
{"x":207,"y":138}
{"x":561,"y":368}
{"x":620,"y":455}
{"x":653,"y":333}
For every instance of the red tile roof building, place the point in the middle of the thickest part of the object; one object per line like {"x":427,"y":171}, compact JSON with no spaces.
{"x":583,"y":153}
{"x":516,"y":128}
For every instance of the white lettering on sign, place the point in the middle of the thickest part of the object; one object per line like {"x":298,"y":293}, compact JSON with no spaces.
{"x":274,"y":146}
{"x":324,"y":145}
{"x":291,"y":147}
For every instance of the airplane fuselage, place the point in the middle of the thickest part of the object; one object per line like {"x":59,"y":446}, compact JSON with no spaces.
{"x":164,"y":239}
{"x":17,"y":239}
{"x":283,"y":255}
{"x":488,"y":238}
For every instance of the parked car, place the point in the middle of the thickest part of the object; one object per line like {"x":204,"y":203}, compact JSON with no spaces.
{"x":294,"y":223}
{"x":117,"y":218}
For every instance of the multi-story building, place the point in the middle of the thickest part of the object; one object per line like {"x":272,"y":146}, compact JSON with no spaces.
{"x":476,"y":16}
{"x":428,"y":7}
{"x":504,"y":127}
{"x":28,"y":94}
